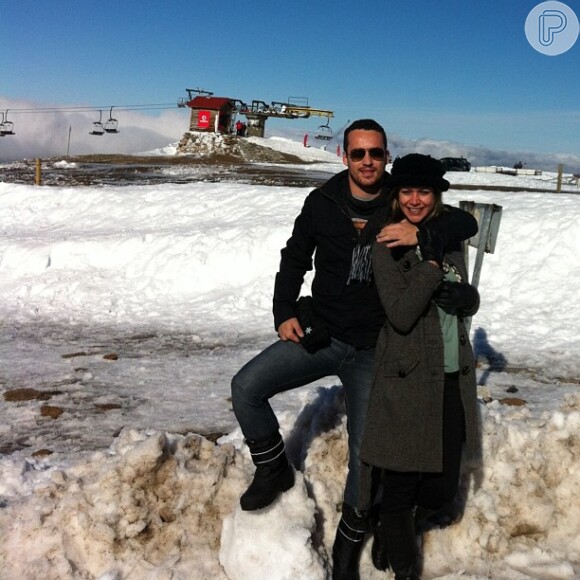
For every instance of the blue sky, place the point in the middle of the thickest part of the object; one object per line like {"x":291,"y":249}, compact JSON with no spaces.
{"x":446,"y":70}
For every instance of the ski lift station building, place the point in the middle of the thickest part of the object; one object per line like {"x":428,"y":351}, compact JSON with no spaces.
{"x":211,"y":114}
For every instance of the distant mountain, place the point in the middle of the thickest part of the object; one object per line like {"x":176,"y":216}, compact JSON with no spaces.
{"x":476,"y":155}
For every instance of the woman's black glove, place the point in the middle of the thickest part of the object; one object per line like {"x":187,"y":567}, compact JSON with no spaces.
{"x":457,"y":298}
{"x":430,"y":243}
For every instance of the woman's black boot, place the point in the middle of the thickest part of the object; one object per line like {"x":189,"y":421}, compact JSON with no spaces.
{"x":379,"y":551}
{"x":398,"y":531}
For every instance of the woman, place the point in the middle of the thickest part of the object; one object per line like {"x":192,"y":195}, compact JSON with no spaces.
{"x":423,"y":405}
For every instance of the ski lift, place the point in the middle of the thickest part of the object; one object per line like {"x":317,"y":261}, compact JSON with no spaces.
{"x":324,"y":132}
{"x":6,"y":127}
{"x":111,"y":124}
{"x":98,"y":128}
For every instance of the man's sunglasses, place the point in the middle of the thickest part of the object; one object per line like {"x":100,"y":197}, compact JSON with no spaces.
{"x":376,"y":153}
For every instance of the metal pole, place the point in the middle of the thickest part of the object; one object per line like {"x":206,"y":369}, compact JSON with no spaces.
{"x":485,"y":239}
{"x":68,"y":144}
{"x":483,"y":236}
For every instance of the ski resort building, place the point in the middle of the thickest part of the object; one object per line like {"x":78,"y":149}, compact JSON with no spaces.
{"x":211,"y":114}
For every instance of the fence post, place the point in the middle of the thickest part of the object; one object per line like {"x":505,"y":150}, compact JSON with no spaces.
{"x":559,"y":184}
{"x":38,"y":173}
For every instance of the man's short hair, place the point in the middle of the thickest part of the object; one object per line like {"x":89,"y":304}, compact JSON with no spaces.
{"x":365,"y":125}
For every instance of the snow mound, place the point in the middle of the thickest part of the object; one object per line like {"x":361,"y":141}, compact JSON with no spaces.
{"x":232,"y":148}
{"x":160,"y":505}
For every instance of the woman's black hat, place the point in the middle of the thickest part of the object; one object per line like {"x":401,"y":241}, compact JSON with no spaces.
{"x":417,"y":170}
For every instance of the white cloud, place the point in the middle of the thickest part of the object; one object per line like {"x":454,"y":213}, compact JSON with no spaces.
{"x":46,"y":133}
{"x":477,"y":155}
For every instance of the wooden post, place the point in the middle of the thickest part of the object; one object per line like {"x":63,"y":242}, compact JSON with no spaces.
{"x":38,"y":173}
{"x":559,"y":184}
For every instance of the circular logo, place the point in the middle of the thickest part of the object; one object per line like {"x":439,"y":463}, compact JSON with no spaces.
{"x":552,"y":28}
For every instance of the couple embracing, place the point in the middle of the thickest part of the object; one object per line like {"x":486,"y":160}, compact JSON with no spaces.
{"x":390,"y":291}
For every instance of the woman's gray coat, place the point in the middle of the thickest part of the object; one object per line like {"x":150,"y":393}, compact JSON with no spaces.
{"x":405,"y":418}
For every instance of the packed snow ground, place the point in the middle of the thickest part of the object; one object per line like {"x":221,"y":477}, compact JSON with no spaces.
{"x":124,"y":312}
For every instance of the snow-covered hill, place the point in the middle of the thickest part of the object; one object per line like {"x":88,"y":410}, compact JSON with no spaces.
{"x":125,"y":311}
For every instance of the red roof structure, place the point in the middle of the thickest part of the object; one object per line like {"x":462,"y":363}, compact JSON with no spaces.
{"x":211,"y":114}
{"x":211,"y":103}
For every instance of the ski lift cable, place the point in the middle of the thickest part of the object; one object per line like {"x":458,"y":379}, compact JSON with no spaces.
{"x":341,"y":130}
{"x":80,"y":109}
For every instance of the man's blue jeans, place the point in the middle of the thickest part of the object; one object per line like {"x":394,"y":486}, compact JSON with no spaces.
{"x":286,"y":365}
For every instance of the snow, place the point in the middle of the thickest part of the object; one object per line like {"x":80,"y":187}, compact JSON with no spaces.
{"x":126,"y":310}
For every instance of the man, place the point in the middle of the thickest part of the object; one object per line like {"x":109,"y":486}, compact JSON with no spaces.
{"x":340,"y":221}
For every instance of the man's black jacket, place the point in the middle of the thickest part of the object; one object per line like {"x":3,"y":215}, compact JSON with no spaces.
{"x":324,"y":229}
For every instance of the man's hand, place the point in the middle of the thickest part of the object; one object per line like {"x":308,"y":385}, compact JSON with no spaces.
{"x":431,"y":245}
{"x":290,"y":330}
{"x":403,"y":233}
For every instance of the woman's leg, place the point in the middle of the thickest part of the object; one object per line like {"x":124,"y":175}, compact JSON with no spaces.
{"x":397,"y":525}
{"x":439,"y":489}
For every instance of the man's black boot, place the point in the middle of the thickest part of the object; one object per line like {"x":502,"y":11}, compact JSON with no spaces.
{"x":273,"y":475}
{"x":398,"y":530}
{"x":348,"y":543}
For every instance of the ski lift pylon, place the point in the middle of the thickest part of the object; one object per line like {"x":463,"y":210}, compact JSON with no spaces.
{"x":111,"y":124}
{"x":98,"y":128}
{"x":6,"y":127}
